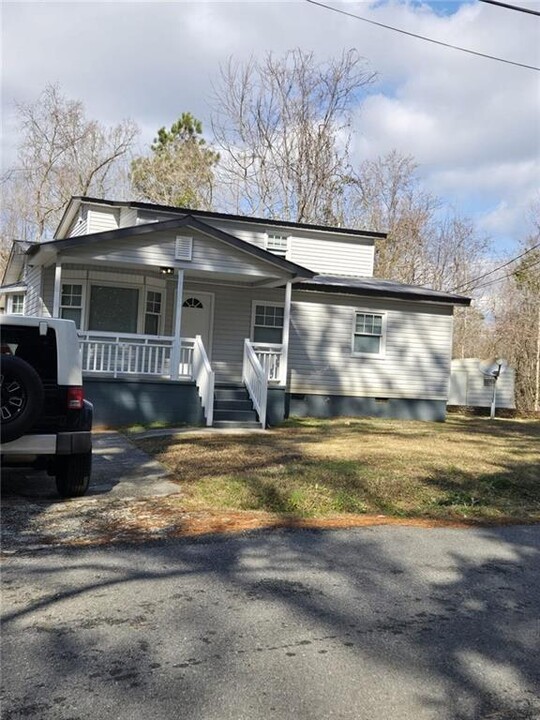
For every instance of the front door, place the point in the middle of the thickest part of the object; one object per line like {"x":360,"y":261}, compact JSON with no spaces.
{"x":197,"y":313}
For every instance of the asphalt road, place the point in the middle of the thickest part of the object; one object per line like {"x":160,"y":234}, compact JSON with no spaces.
{"x":387,"y":623}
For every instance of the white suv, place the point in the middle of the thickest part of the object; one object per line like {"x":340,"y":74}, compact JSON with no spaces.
{"x":44,"y":419}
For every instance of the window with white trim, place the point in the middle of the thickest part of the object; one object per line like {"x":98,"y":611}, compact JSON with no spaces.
{"x":277,"y":244}
{"x":368,"y":333}
{"x":268,"y":323}
{"x":16,"y":304}
{"x":152,"y":317}
{"x":71,"y":302}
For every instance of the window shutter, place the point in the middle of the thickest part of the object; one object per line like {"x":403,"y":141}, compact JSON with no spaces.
{"x":184,"y":248}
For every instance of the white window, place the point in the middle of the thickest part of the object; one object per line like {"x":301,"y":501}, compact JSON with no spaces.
{"x":152,"y":317}
{"x":16,"y":304}
{"x":267,"y":323}
{"x":369,"y":334}
{"x":71,"y":302}
{"x":277,"y":244}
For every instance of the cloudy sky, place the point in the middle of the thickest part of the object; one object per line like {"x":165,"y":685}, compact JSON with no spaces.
{"x":472,"y":124}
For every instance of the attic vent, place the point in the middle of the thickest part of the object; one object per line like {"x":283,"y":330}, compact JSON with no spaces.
{"x":277,"y":244}
{"x":184,"y":248}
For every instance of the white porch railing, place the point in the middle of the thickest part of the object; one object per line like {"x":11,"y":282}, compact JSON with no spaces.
{"x":130,"y":354}
{"x":270,"y":356}
{"x":204,"y":378}
{"x":255,"y":379}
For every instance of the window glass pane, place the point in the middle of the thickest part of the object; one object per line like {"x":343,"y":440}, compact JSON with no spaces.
{"x":113,"y":309}
{"x":267,"y":335}
{"x":153,"y":302}
{"x":72,"y":314}
{"x":367,"y":344}
{"x":17,"y":304}
{"x":151,"y":324}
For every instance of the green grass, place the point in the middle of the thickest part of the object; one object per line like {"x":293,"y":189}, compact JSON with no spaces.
{"x":464,"y":468}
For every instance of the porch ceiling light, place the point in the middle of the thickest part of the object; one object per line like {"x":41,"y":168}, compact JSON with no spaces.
{"x":166,"y":270}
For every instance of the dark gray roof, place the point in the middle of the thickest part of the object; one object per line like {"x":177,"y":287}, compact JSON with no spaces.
{"x":368,"y":286}
{"x":225,"y":216}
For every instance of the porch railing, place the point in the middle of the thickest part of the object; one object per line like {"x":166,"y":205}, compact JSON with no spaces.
{"x":270,"y":355}
{"x":204,"y":378}
{"x":130,"y":354}
{"x":255,"y":379}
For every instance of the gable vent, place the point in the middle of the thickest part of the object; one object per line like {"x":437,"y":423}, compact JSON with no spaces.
{"x":184,"y":248}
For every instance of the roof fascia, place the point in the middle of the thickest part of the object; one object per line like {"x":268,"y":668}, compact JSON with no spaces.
{"x":392,"y":294}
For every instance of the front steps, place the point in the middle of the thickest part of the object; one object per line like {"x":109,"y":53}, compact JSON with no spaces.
{"x":233,"y":408}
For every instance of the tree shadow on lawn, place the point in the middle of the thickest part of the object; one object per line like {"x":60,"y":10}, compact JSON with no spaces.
{"x":450,"y":617}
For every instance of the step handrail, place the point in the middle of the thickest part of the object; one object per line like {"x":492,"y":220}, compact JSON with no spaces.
{"x":254,"y":378}
{"x":204,"y":378}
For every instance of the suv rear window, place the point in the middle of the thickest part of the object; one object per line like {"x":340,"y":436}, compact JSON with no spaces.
{"x":38,"y":350}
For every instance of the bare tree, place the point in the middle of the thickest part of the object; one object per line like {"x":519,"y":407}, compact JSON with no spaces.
{"x":62,"y":153}
{"x":283,"y":127}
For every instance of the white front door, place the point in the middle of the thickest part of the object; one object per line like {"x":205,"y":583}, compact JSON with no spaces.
{"x":197,"y":315}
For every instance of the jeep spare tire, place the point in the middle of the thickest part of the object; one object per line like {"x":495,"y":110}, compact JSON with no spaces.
{"x":21,"y":397}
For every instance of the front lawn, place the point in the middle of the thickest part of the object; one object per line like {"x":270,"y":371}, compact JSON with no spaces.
{"x":466,"y":468}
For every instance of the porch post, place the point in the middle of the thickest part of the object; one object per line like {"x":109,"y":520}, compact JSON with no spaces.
{"x":286,"y":326}
{"x":57,"y":290}
{"x":176,"y":348}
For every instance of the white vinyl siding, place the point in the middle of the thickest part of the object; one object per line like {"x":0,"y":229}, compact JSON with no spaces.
{"x":79,"y":225}
{"x":128,"y":217}
{"x":33,"y":302}
{"x":352,"y":257}
{"x":418,"y":349}
{"x":102,"y":220}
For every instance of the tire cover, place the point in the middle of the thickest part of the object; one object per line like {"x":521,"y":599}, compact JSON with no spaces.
{"x":21,"y":397}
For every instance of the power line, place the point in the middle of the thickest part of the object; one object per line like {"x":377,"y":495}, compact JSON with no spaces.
{"x":518,"y":8}
{"x":500,"y":267}
{"x":505,"y":277}
{"x":421,"y":37}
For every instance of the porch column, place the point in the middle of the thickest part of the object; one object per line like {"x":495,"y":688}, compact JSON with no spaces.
{"x":176,"y":351}
{"x":286,"y":326}
{"x":57,"y":290}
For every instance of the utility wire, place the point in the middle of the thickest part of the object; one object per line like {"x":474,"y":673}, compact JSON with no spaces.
{"x":421,"y":37}
{"x":505,"y":277}
{"x":500,"y":267}
{"x":518,"y":8}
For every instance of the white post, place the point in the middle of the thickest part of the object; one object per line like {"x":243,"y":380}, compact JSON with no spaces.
{"x":175,"y":354}
{"x":57,"y":290}
{"x":286,"y":328}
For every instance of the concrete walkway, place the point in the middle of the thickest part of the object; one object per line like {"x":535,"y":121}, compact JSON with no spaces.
{"x":120,"y":470}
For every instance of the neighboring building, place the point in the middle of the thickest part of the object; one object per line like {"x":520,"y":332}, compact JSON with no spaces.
{"x":470,"y":387}
{"x":173,"y":305}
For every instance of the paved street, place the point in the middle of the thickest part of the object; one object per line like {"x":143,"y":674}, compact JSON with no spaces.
{"x":382,"y":623}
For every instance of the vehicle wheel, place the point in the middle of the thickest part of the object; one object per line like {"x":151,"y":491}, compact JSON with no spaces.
{"x":73,"y":474}
{"x":21,"y":397}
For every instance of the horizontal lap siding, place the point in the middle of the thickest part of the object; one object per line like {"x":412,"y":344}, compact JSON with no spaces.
{"x":33,"y":303}
{"x":467,"y":386}
{"x":418,"y":346}
{"x":333,"y":257}
{"x":101,"y":220}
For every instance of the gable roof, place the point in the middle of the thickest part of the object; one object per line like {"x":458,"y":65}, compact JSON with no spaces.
{"x":220,"y":216}
{"x":174,"y":224}
{"x":380,"y":288}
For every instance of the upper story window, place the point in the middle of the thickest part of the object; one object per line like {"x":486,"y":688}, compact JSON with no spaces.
{"x":15,"y":304}
{"x":277,"y":244}
{"x":369,"y":334}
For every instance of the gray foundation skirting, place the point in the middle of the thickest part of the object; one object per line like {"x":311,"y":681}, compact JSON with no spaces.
{"x":124,"y":402}
{"x":327,"y":406}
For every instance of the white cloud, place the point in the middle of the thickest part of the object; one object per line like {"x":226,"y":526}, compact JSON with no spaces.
{"x":473,"y":124}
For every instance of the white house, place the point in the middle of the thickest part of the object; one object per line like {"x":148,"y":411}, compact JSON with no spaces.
{"x":202,"y":317}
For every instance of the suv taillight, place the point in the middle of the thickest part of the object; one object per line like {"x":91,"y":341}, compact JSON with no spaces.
{"x":75,"y":397}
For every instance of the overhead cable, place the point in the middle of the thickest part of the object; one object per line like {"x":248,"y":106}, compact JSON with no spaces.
{"x":421,"y":37}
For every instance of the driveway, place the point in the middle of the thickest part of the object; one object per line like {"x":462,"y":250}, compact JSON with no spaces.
{"x":119,"y":471}
{"x":368,"y":624}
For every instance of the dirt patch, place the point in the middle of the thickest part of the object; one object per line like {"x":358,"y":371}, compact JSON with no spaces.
{"x":91,"y":522}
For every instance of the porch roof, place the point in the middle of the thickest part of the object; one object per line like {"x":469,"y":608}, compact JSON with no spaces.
{"x":368,"y":286}
{"x":148,"y":229}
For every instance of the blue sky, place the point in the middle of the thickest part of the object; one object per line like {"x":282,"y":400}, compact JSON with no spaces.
{"x":473,"y":125}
